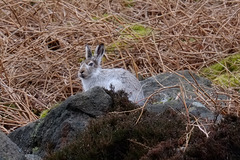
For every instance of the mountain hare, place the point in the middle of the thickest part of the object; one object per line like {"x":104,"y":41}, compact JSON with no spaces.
{"x":91,"y":75}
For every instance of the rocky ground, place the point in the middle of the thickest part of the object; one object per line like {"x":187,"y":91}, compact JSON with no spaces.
{"x":95,"y":125}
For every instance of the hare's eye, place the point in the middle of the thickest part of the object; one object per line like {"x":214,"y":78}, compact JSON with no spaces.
{"x":90,"y":64}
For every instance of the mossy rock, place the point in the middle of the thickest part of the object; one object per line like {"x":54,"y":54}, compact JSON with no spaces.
{"x":46,"y":111}
{"x":226,"y":72}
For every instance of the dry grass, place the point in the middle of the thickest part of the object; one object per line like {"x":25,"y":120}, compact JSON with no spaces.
{"x":42,"y":43}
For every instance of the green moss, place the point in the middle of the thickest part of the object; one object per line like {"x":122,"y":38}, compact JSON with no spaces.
{"x":105,"y":15}
{"x":192,"y":40}
{"x":117,"y":44}
{"x":35,"y":150}
{"x":127,"y":30}
{"x":35,"y":131}
{"x":130,"y":32}
{"x":226,"y":72}
{"x":135,"y":31}
{"x":95,"y":18}
{"x":140,"y":30}
{"x":44,"y":113}
{"x":228,"y":80}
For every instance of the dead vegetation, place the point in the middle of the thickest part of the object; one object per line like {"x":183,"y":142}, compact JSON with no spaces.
{"x":42,"y":44}
{"x":156,"y":136}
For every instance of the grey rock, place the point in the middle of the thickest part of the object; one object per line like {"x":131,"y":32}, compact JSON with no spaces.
{"x":169,"y":97}
{"x":166,"y":80}
{"x":9,"y":150}
{"x":62,"y":124}
{"x":99,"y":105}
{"x":32,"y":157}
{"x":195,"y":109}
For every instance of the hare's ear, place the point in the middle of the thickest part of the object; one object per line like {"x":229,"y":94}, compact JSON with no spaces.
{"x":88,"y":52}
{"x":99,"y":52}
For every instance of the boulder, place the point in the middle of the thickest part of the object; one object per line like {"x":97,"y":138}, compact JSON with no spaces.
{"x":62,"y":124}
{"x":168,"y":80}
{"x":9,"y":150}
{"x":170,"y":96}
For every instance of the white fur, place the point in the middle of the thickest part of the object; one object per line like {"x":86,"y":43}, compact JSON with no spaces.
{"x":119,"y":78}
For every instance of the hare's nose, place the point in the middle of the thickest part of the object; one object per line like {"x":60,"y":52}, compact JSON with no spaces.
{"x":81,"y":74}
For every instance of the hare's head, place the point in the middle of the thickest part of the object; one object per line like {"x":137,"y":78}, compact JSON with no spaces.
{"x":92,"y":63}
